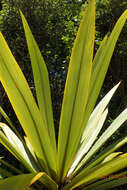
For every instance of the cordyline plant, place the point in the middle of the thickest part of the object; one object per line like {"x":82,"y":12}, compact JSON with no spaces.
{"x":73,"y":163}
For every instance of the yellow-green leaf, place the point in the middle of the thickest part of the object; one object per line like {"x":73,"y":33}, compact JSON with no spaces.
{"x":89,"y":140}
{"x":101,"y":63}
{"x":20,"y":182}
{"x":25,"y":108}
{"x":41,"y":81}
{"x":76,"y":91}
{"x":9,"y":122}
{"x":98,"y":172}
{"x":105,"y":136}
{"x":113,"y":147}
{"x":108,"y":182}
{"x":48,"y":182}
{"x":5,"y":142}
{"x":111,"y":156}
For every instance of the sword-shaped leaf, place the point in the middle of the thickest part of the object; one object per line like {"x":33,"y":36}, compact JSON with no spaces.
{"x":41,"y":81}
{"x":101,"y":156}
{"x":91,"y":130}
{"x":25,"y":108}
{"x":98,"y":172}
{"x":86,"y":145}
{"x":101,"y":63}
{"x":18,"y":145}
{"x":98,"y":110}
{"x":16,"y":152}
{"x":108,"y":182}
{"x":105,"y":136}
{"x":76,"y":91}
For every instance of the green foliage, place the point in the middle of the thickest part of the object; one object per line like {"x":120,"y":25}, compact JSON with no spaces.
{"x":72,"y":162}
{"x":54,"y":25}
{"x":107,"y":14}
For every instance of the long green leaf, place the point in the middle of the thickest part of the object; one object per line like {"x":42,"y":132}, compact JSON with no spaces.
{"x":89,"y":140}
{"x":5,"y":142}
{"x":41,"y":80}
{"x":111,"y":184}
{"x":97,"y":112}
{"x":76,"y":92}
{"x":108,"y":182}
{"x":98,"y":172}
{"x":100,"y":157}
{"x":89,"y":136}
{"x":30,"y":148}
{"x":18,"y":145}
{"x":105,"y":136}
{"x":113,"y":147}
{"x":25,"y":107}
{"x":101,"y":63}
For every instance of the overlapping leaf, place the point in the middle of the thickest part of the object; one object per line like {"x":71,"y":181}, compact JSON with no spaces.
{"x":24,"y":181}
{"x":41,"y":81}
{"x":108,"y":182}
{"x":15,"y":146}
{"x":101,"y":63}
{"x":75,"y":147}
{"x":95,"y":124}
{"x":105,"y":136}
{"x":100,"y":157}
{"x":76,"y":91}
{"x":98,"y":172}
{"x":25,"y":108}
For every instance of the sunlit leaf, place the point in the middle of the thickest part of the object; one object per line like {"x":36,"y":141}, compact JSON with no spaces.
{"x":19,"y":182}
{"x":105,"y":136}
{"x":89,"y":140}
{"x":98,"y":172}
{"x":101,"y":63}
{"x":76,"y":91}
{"x":41,"y":80}
{"x":25,"y":107}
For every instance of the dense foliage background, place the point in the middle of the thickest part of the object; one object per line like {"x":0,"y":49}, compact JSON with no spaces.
{"x":54,"y":24}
